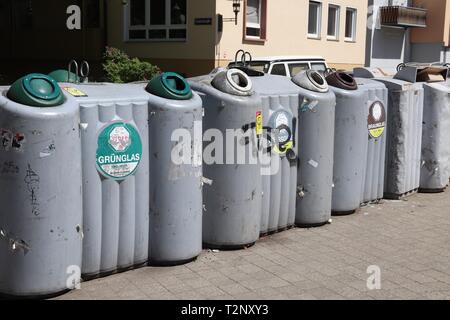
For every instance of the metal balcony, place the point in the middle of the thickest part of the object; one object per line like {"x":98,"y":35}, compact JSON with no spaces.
{"x":404,"y":17}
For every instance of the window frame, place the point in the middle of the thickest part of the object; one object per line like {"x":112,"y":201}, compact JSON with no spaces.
{"x":262,"y":24}
{"x":337,"y":21}
{"x":354,"y":20}
{"x":147,"y":27}
{"x":318,"y":34}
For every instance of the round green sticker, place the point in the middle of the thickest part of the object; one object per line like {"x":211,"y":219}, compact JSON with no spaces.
{"x":119,"y":150}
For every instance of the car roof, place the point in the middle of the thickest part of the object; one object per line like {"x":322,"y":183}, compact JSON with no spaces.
{"x":288,"y":58}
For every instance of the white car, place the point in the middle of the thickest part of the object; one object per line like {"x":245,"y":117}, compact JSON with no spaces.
{"x":286,"y":65}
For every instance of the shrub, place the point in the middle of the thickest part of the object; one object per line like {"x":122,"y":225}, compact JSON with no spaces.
{"x":120,"y":68}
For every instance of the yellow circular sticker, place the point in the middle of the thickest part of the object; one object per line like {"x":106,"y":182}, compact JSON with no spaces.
{"x":377,"y":119}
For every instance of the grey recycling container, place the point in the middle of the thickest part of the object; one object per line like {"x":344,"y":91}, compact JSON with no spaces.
{"x":435,"y":170}
{"x":350,"y":143}
{"x":376,"y":115}
{"x":434,"y":174}
{"x":279,"y":101}
{"x":232,"y":188}
{"x":315,"y":149}
{"x":175,"y":131}
{"x":40,"y":183}
{"x":115,"y":170}
{"x":404,"y":134}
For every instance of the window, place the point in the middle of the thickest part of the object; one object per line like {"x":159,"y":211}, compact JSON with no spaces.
{"x":255,"y":19}
{"x":314,"y":19}
{"x":318,"y":66}
{"x":278,"y":69}
{"x":295,"y":68}
{"x":333,"y":22}
{"x":259,"y":66}
{"x":156,"y":20}
{"x":350,"y":24}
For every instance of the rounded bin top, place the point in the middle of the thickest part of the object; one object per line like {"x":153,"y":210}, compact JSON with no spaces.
{"x":36,"y":90}
{"x":234,"y":82}
{"x":311,"y":80}
{"x":342,"y":80}
{"x":170,"y":85}
{"x":64,"y":76}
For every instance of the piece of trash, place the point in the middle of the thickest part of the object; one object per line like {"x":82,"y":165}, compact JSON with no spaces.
{"x":215,"y":250}
{"x":207,"y":181}
{"x":84,"y":126}
{"x":44,"y":154}
{"x":313,"y":163}
{"x":330,"y":220}
{"x":309,"y":105}
{"x":366,"y":213}
{"x":80,"y":231}
{"x":19,"y":244}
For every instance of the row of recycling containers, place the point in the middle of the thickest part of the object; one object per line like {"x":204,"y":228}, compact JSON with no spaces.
{"x":91,"y":181}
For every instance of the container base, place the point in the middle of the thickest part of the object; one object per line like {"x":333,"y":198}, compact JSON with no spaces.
{"x":310,"y":225}
{"x":368,"y":202}
{"x":230,"y":247}
{"x":438,"y":190}
{"x":342,"y":213}
{"x":93,"y":276}
{"x":153,"y":263}
{"x":33,"y":297}
{"x":393,"y":196}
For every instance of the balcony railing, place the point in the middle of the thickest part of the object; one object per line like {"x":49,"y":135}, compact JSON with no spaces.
{"x":397,"y":16}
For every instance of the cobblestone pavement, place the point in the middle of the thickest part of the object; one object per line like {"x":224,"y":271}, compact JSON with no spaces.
{"x":409,"y":240}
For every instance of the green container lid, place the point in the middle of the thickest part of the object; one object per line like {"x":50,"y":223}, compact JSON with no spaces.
{"x":170,"y":85}
{"x":36,"y":90}
{"x":64,"y":76}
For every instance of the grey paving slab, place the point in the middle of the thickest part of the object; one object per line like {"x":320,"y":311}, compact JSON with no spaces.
{"x":409,"y":240}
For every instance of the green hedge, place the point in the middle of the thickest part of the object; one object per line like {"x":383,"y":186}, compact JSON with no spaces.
{"x":120,"y":68}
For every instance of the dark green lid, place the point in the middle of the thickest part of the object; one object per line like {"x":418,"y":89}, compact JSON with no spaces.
{"x":170,"y":85}
{"x":64,"y":76}
{"x":36,"y":90}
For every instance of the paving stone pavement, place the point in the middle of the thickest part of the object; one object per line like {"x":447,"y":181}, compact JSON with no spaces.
{"x":408,"y":239}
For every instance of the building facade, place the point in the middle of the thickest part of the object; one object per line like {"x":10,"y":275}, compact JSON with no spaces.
{"x":334,"y":29}
{"x":432,"y":43}
{"x":407,"y":31}
{"x":188,"y":36}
